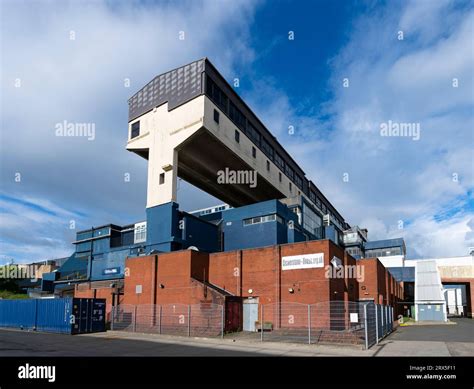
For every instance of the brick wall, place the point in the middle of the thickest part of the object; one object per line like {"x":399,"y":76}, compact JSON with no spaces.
{"x":189,"y":277}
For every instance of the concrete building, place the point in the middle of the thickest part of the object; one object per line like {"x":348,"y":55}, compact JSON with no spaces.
{"x":190,"y":123}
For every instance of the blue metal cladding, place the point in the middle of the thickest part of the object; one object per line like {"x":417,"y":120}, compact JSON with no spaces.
{"x":66,"y":315}
{"x":18,"y":313}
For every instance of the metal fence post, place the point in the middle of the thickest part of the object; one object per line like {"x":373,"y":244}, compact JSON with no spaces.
{"x":386,"y":319}
{"x":366,"y":328}
{"x":382,"y":320}
{"x":391,"y":318}
{"x":261,"y":323}
{"x":160,"y":313}
{"x":376,"y":324}
{"x":113,"y":319}
{"x":309,"y":324}
{"x":189,"y":320}
{"x":135,"y":319}
{"x":222,"y":321}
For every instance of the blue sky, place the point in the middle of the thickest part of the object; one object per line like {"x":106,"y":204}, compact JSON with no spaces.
{"x":421,"y":189}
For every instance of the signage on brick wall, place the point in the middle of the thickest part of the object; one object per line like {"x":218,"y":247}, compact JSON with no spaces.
{"x":305,"y":261}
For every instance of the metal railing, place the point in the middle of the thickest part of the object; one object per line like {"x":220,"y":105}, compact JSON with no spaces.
{"x":201,"y":320}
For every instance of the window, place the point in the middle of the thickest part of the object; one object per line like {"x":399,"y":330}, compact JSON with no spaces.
{"x":162,"y":178}
{"x":312,"y":196}
{"x":289,"y":172}
{"x":268,"y":165}
{"x":135,"y":129}
{"x":253,"y":134}
{"x":279,"y":161}
{"x":291,"y":187}
{"x":140,"y":233}
{"x":254,"y":152}
{"x":262,"y":219}
{"x":216,"y":94}
{"x":312,"y":222}
{"x":216,"y":116}
{"x":266,"y":148}
{"x":298,"y":181}
{"x":318,"y":202}
{"x":279,"y":176}
{"x":236,"y":116}
{"x":237,"y":136}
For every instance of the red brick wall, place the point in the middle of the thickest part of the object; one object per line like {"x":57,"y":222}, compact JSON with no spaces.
{"x":88,"y":291}
{"x":139,"y":271}
{"x":168,"y":279}
{"x":259,"y":270}
{"x":225,"y":270}
{"x":380,"y":285}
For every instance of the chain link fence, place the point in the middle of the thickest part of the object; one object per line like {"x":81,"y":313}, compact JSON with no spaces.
{"x":340,"y":322}
{"x":333,"y":322}
{"x":201,"y":320}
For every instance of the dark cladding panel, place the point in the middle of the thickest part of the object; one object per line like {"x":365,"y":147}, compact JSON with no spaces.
{"x":175,"y":87}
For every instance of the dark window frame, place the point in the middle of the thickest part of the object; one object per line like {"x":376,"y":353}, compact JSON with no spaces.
{"x":135,"y":130}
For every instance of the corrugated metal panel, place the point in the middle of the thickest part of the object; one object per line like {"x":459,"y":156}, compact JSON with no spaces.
{"x":428,"y":285}
{"x":18,"y":313}
{"x":66,"y":315}
{"x":54,"y":315}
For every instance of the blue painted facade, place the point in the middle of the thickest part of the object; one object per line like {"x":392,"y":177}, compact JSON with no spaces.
{"x":169,"y":229}
{"x":101,"y":252}
{"x":162,"y":227}
{"x":239,"y":233}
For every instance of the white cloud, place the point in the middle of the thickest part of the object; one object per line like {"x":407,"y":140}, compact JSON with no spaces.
{"x":82,"y":80}
{"x":393,"y":179}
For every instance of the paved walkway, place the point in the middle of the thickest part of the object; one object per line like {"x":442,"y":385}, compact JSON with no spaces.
{"x":442,"y":340}
{"x":431,"y":340}
{"x":115,"y":343}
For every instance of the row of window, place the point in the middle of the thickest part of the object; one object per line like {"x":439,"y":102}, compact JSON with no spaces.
{"x":224,"y":103}
{"x":212,"y":210}
{"x":263,"y":219}
{"x":383,"y":252}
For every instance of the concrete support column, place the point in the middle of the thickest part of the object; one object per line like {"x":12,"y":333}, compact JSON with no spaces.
{"x":162,"y":175}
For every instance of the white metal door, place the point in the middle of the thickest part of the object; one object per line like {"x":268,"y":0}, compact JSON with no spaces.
{"x":250,"y":316}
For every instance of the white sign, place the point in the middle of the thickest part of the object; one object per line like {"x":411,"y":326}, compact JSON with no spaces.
{"x":354,"y":317}
{"x":305,"y":261}
{"x":138,"y":289}
{"x":336,"y":262}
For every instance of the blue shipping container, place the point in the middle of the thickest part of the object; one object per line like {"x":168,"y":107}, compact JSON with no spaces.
{"x":66,"y":315}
